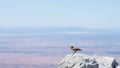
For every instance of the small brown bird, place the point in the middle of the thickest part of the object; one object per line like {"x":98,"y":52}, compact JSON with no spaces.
{"x":74,"y":49}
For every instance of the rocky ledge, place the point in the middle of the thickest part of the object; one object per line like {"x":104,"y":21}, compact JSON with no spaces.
{"x":88,"y":61}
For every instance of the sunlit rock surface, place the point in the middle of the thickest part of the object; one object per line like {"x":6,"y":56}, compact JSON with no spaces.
{"x":88,"y":61}
{"x":118,"y":66}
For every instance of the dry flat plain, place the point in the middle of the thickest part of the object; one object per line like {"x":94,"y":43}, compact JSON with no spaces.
{"x":39,"y":51}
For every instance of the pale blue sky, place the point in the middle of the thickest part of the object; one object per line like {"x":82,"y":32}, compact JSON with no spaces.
{"x":60,"y":13}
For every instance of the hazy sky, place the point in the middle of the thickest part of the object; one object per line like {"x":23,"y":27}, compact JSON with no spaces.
{"x":60,"y":13}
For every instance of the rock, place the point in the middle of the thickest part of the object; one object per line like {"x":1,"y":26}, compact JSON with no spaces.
{"x":87,"y":61}
{"x":118,"y":66}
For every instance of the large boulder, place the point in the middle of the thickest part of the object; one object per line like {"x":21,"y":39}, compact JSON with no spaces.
{"x":87,"y":61}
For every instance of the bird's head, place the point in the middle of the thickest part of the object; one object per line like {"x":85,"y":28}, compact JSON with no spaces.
{"x":72,"y":47}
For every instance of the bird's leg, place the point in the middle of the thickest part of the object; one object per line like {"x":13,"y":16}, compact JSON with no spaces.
{"x":74,"y":52}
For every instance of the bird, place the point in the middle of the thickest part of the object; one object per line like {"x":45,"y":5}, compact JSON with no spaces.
{"x":74,"y":49}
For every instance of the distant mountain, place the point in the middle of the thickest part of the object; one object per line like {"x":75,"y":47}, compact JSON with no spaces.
{"x":66,"y":33}
{"x":39,"y":30}
{"x":70,"y":33}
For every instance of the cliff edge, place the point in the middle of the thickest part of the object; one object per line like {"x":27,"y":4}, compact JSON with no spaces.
{"x":88,"y":61}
